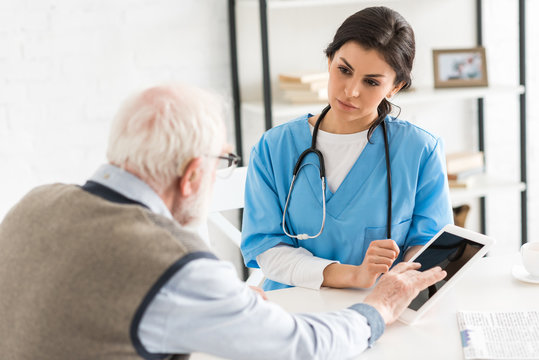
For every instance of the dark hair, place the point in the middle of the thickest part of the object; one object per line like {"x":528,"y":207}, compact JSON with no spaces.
{"x":386,"y":31}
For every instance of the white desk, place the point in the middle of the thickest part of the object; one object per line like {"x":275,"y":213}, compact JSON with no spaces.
{"x":488,"y":285}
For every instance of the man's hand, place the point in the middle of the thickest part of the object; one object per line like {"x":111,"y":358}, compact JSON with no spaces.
{"x":399,"y":287}
{"x":259,"y":291}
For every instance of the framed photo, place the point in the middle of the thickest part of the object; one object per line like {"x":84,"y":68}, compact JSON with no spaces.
{"x":460,"y":67}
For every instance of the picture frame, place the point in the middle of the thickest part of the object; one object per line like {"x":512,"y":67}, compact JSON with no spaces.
{"x":460,"y":67}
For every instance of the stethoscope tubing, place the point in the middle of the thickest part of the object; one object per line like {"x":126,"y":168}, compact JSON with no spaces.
{"x":389,"y":185}
{"x":306,"y":236}
{"x":298,"y":166}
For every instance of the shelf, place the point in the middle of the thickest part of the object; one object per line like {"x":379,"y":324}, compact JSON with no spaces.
{"x":287,"y":4}
{"x":430,"y":94}
{"x":419,"y":95}
{"x":483,"y":186}
{"x":283,"y":111}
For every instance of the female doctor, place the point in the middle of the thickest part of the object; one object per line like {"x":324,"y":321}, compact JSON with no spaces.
{"x":386,"y":192}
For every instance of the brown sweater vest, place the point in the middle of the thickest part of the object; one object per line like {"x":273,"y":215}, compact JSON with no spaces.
{"x":77,"y":272}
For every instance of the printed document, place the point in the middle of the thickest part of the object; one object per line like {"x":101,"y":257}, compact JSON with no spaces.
{"x":499,"y":335}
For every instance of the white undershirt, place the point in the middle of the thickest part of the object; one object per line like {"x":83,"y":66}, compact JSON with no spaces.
{"x":298,"y":266}
{"x":340,"y":154}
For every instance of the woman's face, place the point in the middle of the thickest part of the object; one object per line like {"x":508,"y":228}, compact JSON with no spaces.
{"x":359,"y":79}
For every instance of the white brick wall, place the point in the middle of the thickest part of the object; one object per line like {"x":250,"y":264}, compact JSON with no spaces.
{"x":66,"y":65}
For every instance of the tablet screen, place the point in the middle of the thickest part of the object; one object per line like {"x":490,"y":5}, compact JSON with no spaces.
{"x":450,"y":252}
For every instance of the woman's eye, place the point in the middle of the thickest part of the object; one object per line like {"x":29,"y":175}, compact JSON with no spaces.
{"x":344,"y":70}
{"x":371,"y":82}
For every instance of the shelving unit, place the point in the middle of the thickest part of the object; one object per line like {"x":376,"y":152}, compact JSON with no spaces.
{"x":484,"y":185}
{"x":415,"y":96}
{"x":271,"y":110}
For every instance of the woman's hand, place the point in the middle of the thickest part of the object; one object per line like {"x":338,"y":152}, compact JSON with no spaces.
{"x":378,"y":259}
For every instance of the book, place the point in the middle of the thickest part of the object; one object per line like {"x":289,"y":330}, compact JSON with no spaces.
{"x":321,"y":93}
{"x":304,"y":96}
{"x":463,"y":175}
{"x":304,"y":77}
{"x":309,"y":86}
{"x":463,"y":183}
{"x":464,"y":161}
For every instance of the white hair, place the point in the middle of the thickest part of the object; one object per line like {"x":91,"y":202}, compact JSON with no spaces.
{"x":158,"y":131}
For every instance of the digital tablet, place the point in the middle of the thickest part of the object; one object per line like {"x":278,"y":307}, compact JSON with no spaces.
{"x":454,"y":249}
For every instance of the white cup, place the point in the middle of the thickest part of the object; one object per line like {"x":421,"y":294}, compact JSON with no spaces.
{"x":530,"y":257}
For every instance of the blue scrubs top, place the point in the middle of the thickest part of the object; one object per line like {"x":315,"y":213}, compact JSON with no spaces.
{"x":356,"y":213}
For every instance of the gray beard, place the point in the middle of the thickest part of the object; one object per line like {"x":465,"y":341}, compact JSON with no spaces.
{"x":194,"y":211}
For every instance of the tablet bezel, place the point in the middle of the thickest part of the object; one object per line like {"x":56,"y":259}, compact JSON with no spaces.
{"x":409,"y":315}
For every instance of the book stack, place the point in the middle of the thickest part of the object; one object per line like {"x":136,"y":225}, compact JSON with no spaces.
{"x":463,"y":168}
{"x":309,"y":87}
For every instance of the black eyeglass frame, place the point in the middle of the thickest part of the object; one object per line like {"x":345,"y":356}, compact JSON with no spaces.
{"x":233,"y":159}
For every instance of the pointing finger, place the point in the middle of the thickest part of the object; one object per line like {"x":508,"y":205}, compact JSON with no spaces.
{"x":430,"y":277}
{"x":406,"y":266}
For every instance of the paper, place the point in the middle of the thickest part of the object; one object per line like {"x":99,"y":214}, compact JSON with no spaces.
{"x":499,"y":335}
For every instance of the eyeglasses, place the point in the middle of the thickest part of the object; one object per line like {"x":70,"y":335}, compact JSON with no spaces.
{"x":226,"y":164}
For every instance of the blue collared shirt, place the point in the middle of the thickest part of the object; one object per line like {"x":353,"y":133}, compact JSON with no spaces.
{"x":206,"y":308}
{"x":131,"y":187}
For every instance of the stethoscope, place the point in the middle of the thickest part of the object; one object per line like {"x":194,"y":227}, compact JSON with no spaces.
{"x":322,"y":169}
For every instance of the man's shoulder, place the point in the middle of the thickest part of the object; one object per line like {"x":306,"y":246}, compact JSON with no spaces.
{"x":129,"y":218}
{"x":43,"y":195}
{"x":52,"y":188}
{"x":187,"y":236}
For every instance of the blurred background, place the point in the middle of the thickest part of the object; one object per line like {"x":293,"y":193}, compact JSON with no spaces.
{"x":66,"y":65}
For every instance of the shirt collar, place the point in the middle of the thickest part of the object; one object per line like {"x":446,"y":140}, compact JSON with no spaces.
{"x":131,"y":187}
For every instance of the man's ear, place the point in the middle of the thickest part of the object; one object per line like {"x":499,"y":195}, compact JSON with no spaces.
{"x":191,"y":179}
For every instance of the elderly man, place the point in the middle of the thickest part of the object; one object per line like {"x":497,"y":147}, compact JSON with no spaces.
{"x":113,"y":270}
